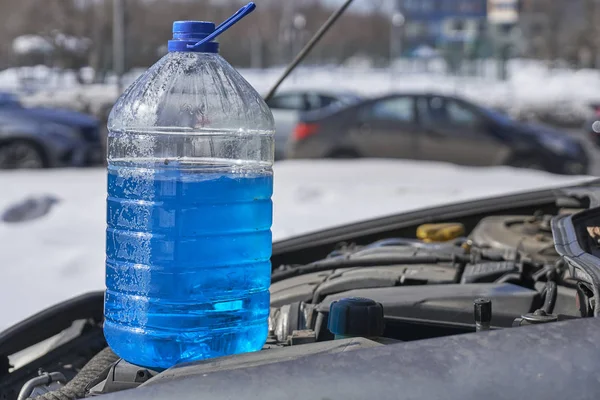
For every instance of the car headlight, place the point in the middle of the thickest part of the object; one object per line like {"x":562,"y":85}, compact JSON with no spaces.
{"x":62,"y":131}
{"x":558,"y":145}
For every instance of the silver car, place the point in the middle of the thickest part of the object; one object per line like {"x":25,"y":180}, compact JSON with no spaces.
{"x":287,"y":106}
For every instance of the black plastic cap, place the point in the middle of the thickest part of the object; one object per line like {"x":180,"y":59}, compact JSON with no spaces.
{"x":355,"y":316}
{"x":482,"y":310}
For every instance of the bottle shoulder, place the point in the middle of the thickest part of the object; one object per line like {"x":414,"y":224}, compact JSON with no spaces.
{"x":192,"y":91}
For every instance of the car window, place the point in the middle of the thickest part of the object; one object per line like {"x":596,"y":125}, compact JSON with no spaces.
{"x":288,"y":102}
{"x":327,"y":100}
{"x":459,"y":114}
{"x":445,"y":112}
{"x":400,"y":109}
{"x":313,"y":101}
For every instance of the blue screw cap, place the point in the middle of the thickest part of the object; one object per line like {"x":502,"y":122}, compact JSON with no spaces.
{"x":190,"y":29}
{"x":198,"y":36}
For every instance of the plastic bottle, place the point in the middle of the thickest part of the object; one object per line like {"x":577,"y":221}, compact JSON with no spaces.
{"x":189,"y":209}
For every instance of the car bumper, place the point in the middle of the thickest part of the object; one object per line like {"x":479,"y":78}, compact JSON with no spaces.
{"x":308,"y":148}
{"x":94,"y":155}
{"x":594,"y":137}
{"x":576,"y":167}
{"x":575,"y":164}
{"x":85,"y":155}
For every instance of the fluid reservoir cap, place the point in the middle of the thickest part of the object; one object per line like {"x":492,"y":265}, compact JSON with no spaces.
{"x":356,"y":316}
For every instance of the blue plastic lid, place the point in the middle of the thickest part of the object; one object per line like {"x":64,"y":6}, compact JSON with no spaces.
{"x":190,"y":33}
{"x":198,"y":36}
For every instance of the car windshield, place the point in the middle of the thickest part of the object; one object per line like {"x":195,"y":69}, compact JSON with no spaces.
{"x":401,"y":106}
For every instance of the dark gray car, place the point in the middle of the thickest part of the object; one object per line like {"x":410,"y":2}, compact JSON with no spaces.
{"x":436,"y":128}
{"x":45,"y":137}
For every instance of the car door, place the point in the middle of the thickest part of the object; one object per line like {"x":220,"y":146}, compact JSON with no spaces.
{"x":386,"y":128}
{"x":454,"y":131}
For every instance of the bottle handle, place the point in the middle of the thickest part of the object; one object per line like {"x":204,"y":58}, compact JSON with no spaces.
{"x":235,"y":18}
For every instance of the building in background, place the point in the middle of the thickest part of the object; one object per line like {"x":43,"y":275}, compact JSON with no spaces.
{"x":503,"y":12}
{"x":503,"y":28}
{"x":443,"y":24}
{"x":564,"y":30}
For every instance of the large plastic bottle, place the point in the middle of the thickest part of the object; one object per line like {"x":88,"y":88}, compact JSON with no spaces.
{"x":189,"y":211}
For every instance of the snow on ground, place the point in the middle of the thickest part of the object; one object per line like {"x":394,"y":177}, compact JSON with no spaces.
{"x":61,"y":255}
{"x":31,"y":44}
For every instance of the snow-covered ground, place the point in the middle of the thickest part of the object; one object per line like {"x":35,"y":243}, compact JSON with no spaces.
{"x":61,"y":254}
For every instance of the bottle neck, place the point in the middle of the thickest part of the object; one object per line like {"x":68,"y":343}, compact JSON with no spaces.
{"x":181,"y":45}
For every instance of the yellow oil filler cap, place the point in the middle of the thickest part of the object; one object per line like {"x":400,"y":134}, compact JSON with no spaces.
{"x":440,"y":232}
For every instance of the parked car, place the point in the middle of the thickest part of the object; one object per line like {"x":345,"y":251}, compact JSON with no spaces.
{"x":45,"y":137}
{"x":286,"y":107}
{"x":437,"y":128}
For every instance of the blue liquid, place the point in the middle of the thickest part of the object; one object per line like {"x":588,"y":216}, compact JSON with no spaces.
{"x":187,"y":262}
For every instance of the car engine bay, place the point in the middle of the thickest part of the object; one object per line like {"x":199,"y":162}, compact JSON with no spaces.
{"x":487,"y":265}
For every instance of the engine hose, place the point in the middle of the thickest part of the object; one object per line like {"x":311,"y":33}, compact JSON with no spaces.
{"x":75,"y":389}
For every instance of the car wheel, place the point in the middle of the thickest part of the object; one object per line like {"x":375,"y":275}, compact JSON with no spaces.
{"x":20,"y":154}
{"x":343,"y":154}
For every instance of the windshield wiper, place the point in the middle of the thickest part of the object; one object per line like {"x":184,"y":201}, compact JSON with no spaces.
{"x":308,"y":47}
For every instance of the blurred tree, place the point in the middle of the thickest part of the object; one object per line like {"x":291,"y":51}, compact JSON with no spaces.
{"x":557,"y":30}
{"x":65,"y":24}
{"x":101,"y":50}
{"x":268,"y":38}
{"x":81,"y":31}
{"x":588,"y":53}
